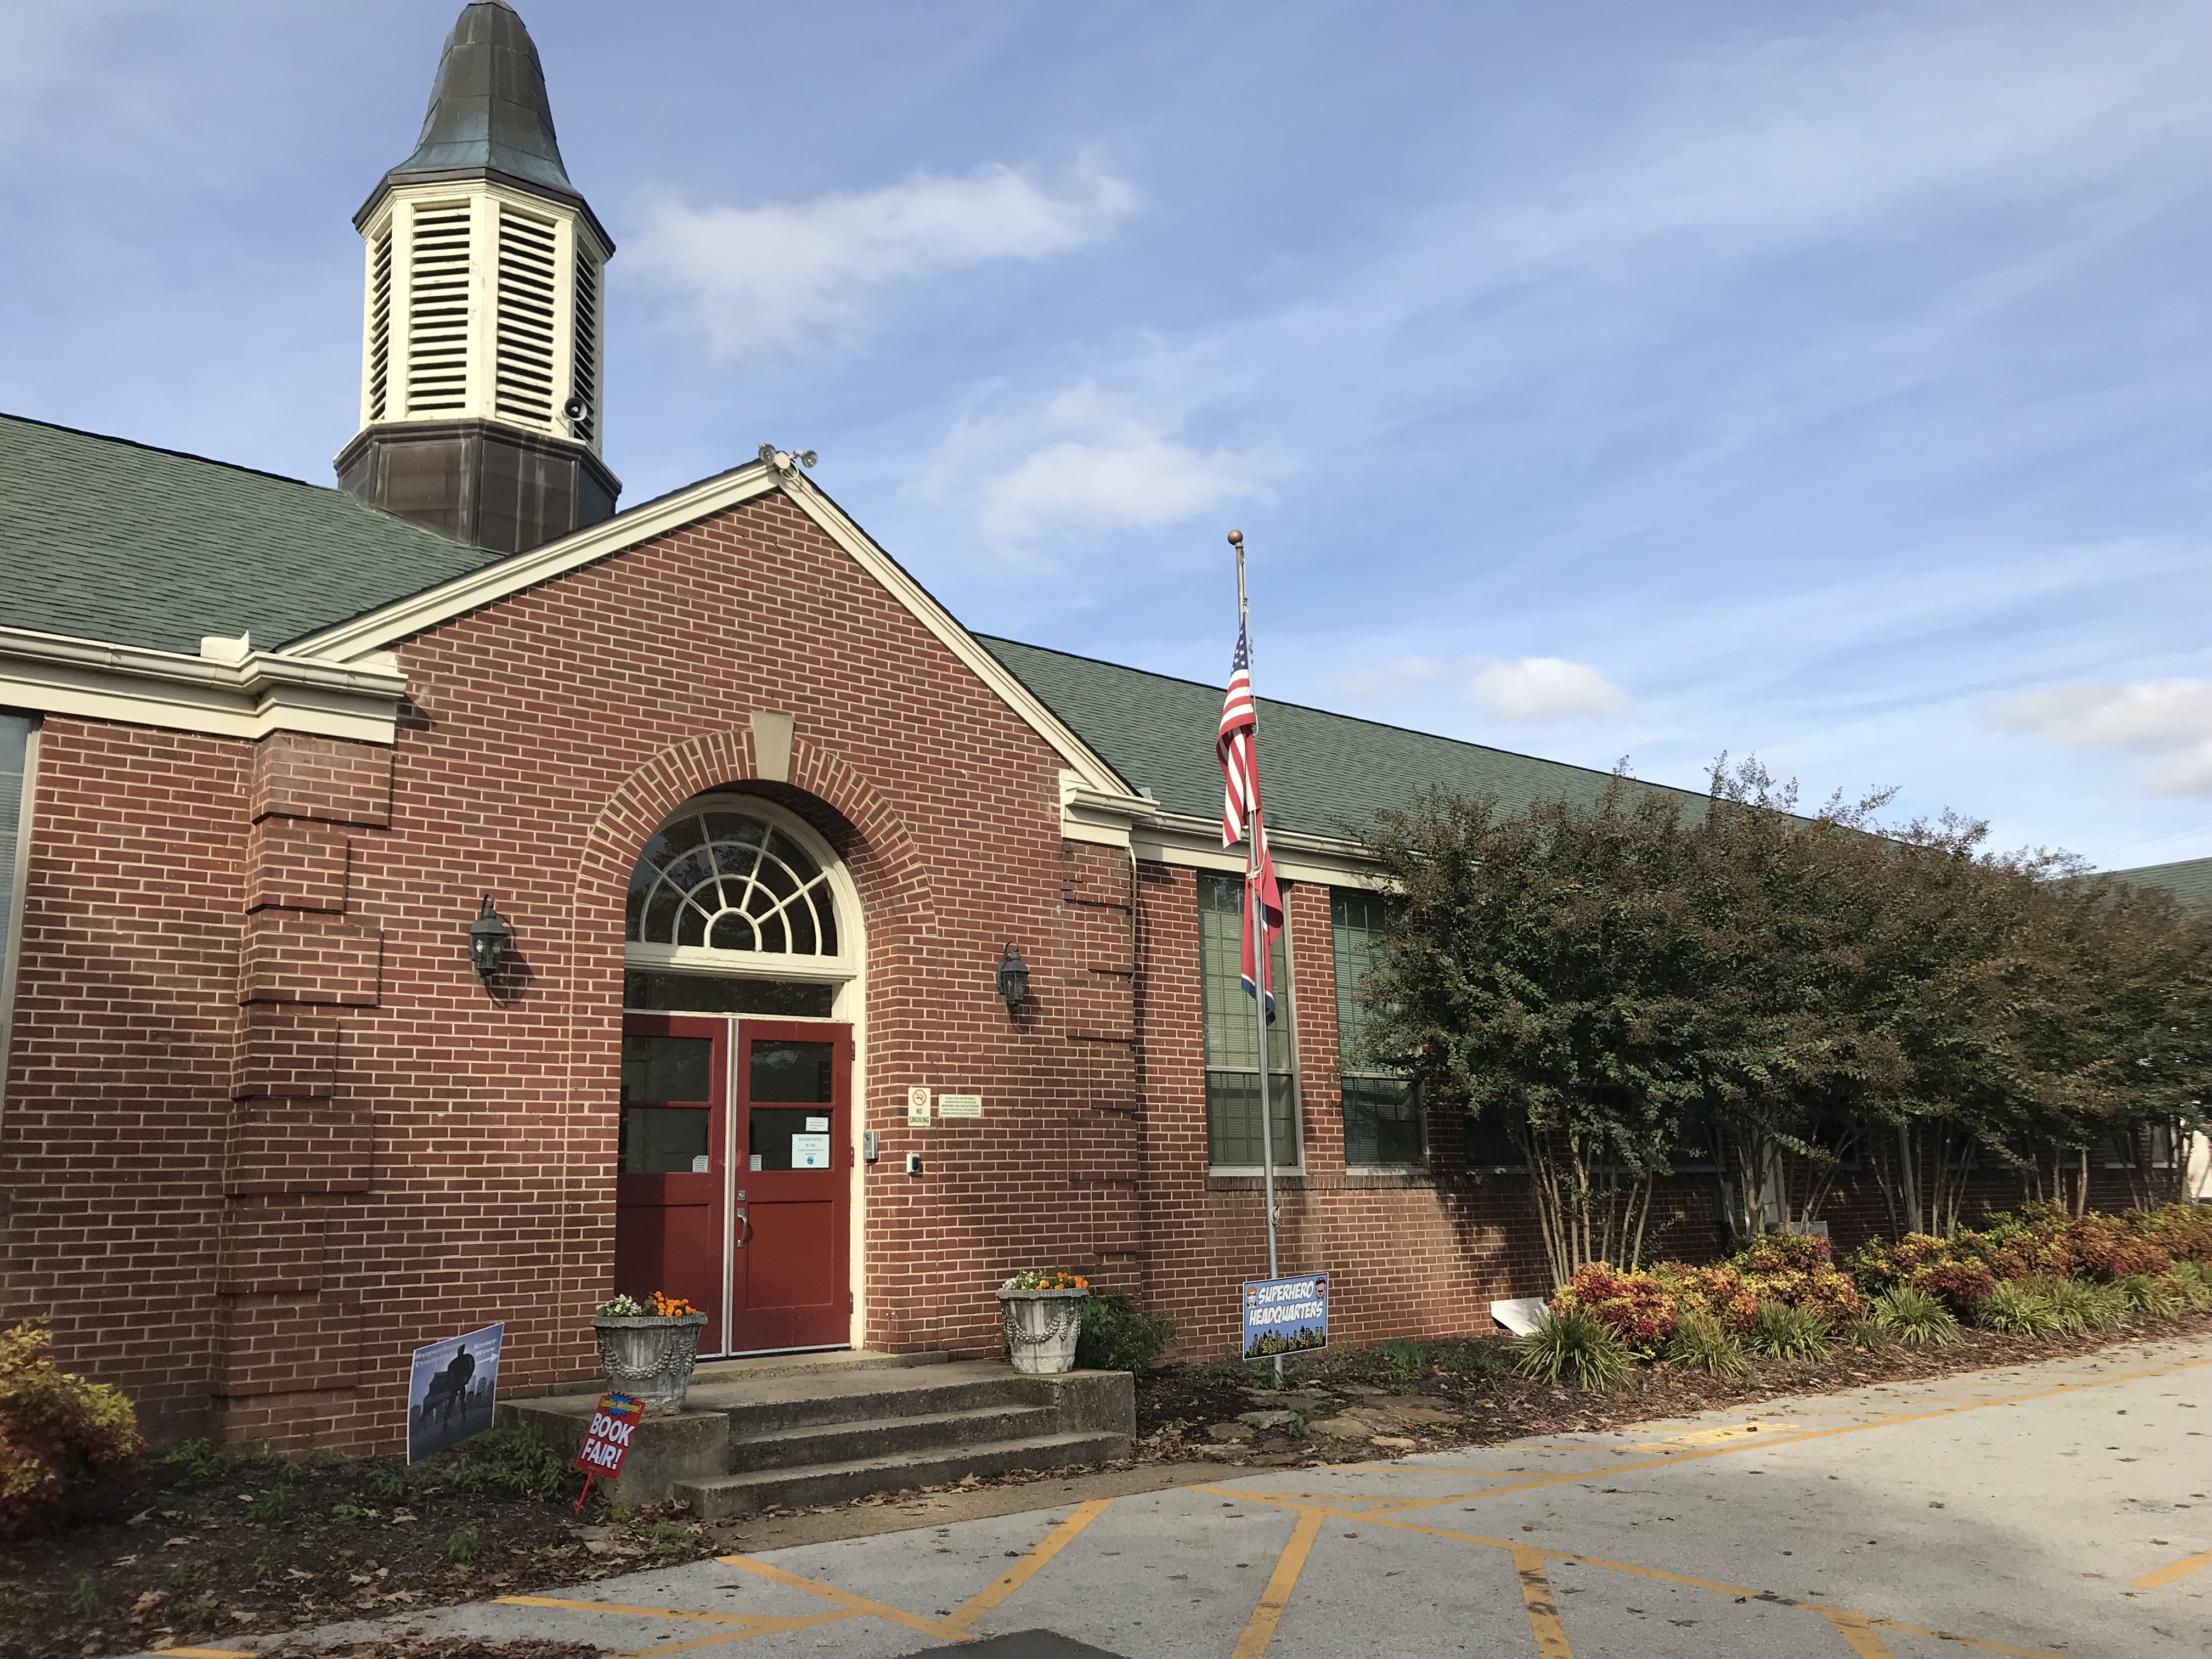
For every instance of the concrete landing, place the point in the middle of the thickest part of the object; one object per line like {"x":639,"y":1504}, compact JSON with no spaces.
{"x":792,"y":1434}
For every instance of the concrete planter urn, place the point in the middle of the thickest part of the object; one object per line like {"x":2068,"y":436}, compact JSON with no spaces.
{"x":1041,"y":1324}
{"x":649,"y":1355}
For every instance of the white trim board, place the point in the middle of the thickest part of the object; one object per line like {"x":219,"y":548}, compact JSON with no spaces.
{"x":245,"y":694}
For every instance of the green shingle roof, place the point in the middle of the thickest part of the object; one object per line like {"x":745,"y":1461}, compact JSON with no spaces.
{"x":1322,"y":773}
{"x":2190,"y":881}
{"x":105,"y":539}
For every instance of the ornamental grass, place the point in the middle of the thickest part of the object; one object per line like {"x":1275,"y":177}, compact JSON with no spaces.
{"x":1574,"y":1344}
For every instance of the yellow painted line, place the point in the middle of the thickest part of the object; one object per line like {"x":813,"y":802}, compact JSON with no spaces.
{"x":1717,"y":1436}
{"x":1858,"y":1633}
{"x":209,"y":1653}
{"x":1543,"y":1611}
{"x":1981,"y":1642}
{"x":684,"y":1614}
{"x":771,"y":1628}
{"x":2158,"y":1580}
{"x":1370,"y":1518}
{"x":1025,"y":1569}
{"x":842,"y":1598}
{"x":1260,"y":1629}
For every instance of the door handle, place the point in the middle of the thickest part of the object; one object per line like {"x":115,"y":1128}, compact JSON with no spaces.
{"x":745,"y":1229}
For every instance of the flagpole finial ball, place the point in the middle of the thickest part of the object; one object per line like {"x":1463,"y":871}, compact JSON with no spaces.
{"x":1237,"y":538}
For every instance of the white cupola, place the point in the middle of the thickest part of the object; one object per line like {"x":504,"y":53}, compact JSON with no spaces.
{"x":483,"y":318}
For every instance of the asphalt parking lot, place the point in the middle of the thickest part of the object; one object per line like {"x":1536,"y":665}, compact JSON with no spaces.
{"x":2064,"y":1507}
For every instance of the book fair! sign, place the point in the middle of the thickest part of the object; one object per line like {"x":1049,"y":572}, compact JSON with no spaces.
{"x":606,"y":1441}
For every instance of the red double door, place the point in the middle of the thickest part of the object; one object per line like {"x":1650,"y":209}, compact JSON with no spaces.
{"x":733,"y":1183}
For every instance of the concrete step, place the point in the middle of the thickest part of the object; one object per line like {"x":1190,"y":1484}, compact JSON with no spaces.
{"x":858,"y":1439}
{"x":713,"y":1497}
{"x":753,"y":1368}
{"x":866,"y":1398}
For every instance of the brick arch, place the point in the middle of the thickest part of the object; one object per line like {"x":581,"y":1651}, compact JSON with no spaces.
{"x":897,"y":900}
{"x":886,"y":866}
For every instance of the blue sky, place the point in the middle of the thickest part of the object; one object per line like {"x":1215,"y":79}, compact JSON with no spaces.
{"x":1832,"y":383}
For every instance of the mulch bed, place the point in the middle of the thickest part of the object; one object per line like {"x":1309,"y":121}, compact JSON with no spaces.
{"x":245,"y":1548}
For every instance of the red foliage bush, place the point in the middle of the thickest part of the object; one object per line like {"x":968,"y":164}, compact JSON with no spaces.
{"x":1719,"y":1290}
{"x":2183,"y":1230}
{"x":1635,"y":1307}
{"x":1795,"y":1269}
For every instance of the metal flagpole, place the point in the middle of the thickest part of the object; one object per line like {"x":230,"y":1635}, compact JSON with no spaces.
{"x":1256,"y":918}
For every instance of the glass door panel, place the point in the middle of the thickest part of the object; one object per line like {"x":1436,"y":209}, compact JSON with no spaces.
{"x":670,"y":1231}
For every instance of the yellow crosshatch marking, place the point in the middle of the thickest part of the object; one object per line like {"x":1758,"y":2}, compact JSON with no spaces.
{"x":1026,"y":1569}
{"x":1261,"y":1629}
{"x":1861,"y":1632}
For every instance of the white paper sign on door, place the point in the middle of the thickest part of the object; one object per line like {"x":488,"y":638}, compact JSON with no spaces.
{"x":810,"y":1152}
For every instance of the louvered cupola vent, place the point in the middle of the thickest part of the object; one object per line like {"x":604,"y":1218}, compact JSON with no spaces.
{"x":523,"y":373}
{"x":586,"y":371}
{"x":438,"y":311}
{"x":380,"y":326}
{"x":483,"y":315}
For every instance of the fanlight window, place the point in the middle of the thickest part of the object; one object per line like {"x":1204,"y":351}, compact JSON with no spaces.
{"x":729,"y":882}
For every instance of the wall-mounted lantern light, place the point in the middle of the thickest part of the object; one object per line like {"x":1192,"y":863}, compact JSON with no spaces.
{"x":1013,"y":978}
{"x":488,"y":938}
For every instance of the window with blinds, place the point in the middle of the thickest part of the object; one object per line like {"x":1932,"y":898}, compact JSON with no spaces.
{"x":438,"y":311}
{"x":586,"y":371}
{"x":380,"y":326}
{"x":1232,"y":1041}
{"x":522,"y":368}
{"x":1382,"y":1112}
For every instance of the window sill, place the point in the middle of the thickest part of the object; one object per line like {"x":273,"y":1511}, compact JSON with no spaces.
{"x":1250,"y":1181}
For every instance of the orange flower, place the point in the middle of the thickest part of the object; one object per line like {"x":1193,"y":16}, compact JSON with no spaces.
{"x":670,"y":1307}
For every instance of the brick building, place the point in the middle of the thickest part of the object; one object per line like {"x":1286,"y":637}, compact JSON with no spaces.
{"x":762,"y":820}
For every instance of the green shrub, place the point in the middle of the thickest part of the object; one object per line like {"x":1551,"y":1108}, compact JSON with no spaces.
{"x":1915,"y":1317}
{"x":1574,"y":1343}
{"x":1406,"y":1362}
{"x":2152,"y":1295}
{"x":200,"y":1458}
{"x":504,"y":1460}
{"x":1476,"y":1358}
{"x":84,"y":1598}
{"x":1118,"y":1335}
{"x":2195,"y":1283}
{"x":2067,"y":1299}
{"x":1781,"y":1332}
{"x":388,"y":1482}
{"x":2019,"y":1309}
{"x":1866,"y":1332}
{"x":61,"y":1436}
{"x":1702,"y":1341}
{"x":272,"y":1507}
{"x":462,"y":1543}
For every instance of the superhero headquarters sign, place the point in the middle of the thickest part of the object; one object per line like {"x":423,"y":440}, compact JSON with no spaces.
{"x":1286,"y":1315}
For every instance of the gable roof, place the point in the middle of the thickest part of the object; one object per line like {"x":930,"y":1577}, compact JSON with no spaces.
{"x":2189,"y":881}
{"x":1323,"y":773}
{"x":107,"y":539}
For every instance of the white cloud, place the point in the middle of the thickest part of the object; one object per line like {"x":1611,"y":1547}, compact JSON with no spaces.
{"x":765,"y":278}
{"x":1104,"y":464}
{"x":1533,"y":688}
{"x":2172,"y":718}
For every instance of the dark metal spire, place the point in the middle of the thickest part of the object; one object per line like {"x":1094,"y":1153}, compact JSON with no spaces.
{"x":488,"y":115}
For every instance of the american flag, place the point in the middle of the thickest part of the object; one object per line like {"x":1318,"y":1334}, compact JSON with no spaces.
{"x":1240,"y":806}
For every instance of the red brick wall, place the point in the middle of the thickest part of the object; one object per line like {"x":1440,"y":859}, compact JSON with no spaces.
{"x":265,"y":1132}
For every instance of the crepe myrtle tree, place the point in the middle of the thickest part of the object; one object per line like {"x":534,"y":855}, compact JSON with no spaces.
{"x":1605,"y":979}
